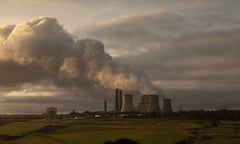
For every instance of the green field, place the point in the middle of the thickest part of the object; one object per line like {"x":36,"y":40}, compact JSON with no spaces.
{"x":144,"y":131}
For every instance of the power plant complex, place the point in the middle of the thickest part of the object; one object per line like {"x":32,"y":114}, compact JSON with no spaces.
{"x":149,"y":103}
{"x":124,"y":107}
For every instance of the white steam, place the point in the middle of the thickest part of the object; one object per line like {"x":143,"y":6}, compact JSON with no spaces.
{"x":41,"y":49}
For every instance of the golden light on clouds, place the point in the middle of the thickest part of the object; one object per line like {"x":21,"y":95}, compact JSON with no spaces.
{"x":25,"y":93}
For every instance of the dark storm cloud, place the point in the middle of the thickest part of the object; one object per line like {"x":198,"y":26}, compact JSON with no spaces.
{"x":12,"y":73}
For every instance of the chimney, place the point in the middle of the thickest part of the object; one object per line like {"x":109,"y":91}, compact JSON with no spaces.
{"x":116,"y":100}
{"x":105,"y":105}
{"x":120,"y":100}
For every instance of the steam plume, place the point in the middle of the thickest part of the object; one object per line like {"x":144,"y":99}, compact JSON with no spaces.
{"x":41,"y":49}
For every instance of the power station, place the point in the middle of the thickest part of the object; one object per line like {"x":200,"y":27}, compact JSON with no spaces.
{"x":124,"y":107}
{"x":149,"y":103}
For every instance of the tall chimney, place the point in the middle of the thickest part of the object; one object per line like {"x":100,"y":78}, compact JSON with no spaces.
{"x":116,"y":100}
{"x":105,"y":105}
{"x":120,"y":100}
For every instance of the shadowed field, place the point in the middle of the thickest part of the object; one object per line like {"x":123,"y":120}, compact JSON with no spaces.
{"x":98,"y":131}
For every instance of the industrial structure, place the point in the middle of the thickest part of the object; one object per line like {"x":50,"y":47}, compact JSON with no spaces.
{"x":127,"y":103}
{"x":149,"y":104}
{"x":118,"y":100}
{"x":143,"y":105}
{"x":51,"y":112}
{"x":167,"y":107}
{"x":105,"y":105}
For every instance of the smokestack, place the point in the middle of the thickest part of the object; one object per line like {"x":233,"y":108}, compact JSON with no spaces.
{"x":127,"y":105}
{"x":116,"y":100}
{"x":120,"y":100}
{"x":167,"y":107}
{"x":105,"y":105}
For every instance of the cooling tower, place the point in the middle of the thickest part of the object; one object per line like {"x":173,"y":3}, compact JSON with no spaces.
{"x":127,"y":103}
{"x":143,"y":105}
{"x":149,"y":104}
{"x":167,"y":107}
{"x":153,"y":106}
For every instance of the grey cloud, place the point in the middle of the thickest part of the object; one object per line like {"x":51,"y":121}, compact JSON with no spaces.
{"x":130,"y":34}
{"x":35,"y":97}
{"x":209,"y":57}
{"x":197,"y":55}
{"x":12,"y":73}
{"x":195,"y":99}
{"x":204,"y":56}
{"x":40,"y":49}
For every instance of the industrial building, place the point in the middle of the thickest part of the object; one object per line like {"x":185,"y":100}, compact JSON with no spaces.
{"x":149,"y":103}
{"x":51,"y":112}
{"x":118,"y":100}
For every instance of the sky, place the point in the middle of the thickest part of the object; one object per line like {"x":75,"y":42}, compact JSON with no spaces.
{"x":71,"y":54}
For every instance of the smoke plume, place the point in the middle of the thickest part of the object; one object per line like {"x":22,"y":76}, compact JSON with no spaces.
{"x":41,"y":49}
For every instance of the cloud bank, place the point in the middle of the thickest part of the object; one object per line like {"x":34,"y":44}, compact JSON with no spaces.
{"x":193,"y":58}
{"x":40,"y":50}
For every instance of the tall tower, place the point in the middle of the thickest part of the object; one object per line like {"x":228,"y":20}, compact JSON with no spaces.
{"x":167,"y":107}
{"x":127,"y":104}
{"x":116,"y":100}
{"x":120,"y":100}
{"x":105,"y":105}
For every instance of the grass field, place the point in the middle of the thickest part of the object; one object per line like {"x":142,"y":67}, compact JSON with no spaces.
{"x":144,"y":131}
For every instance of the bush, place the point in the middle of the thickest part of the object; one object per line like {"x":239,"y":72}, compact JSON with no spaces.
{"x":121,"y":141}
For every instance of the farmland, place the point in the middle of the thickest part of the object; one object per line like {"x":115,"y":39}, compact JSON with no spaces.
{"x":98,"y":131}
